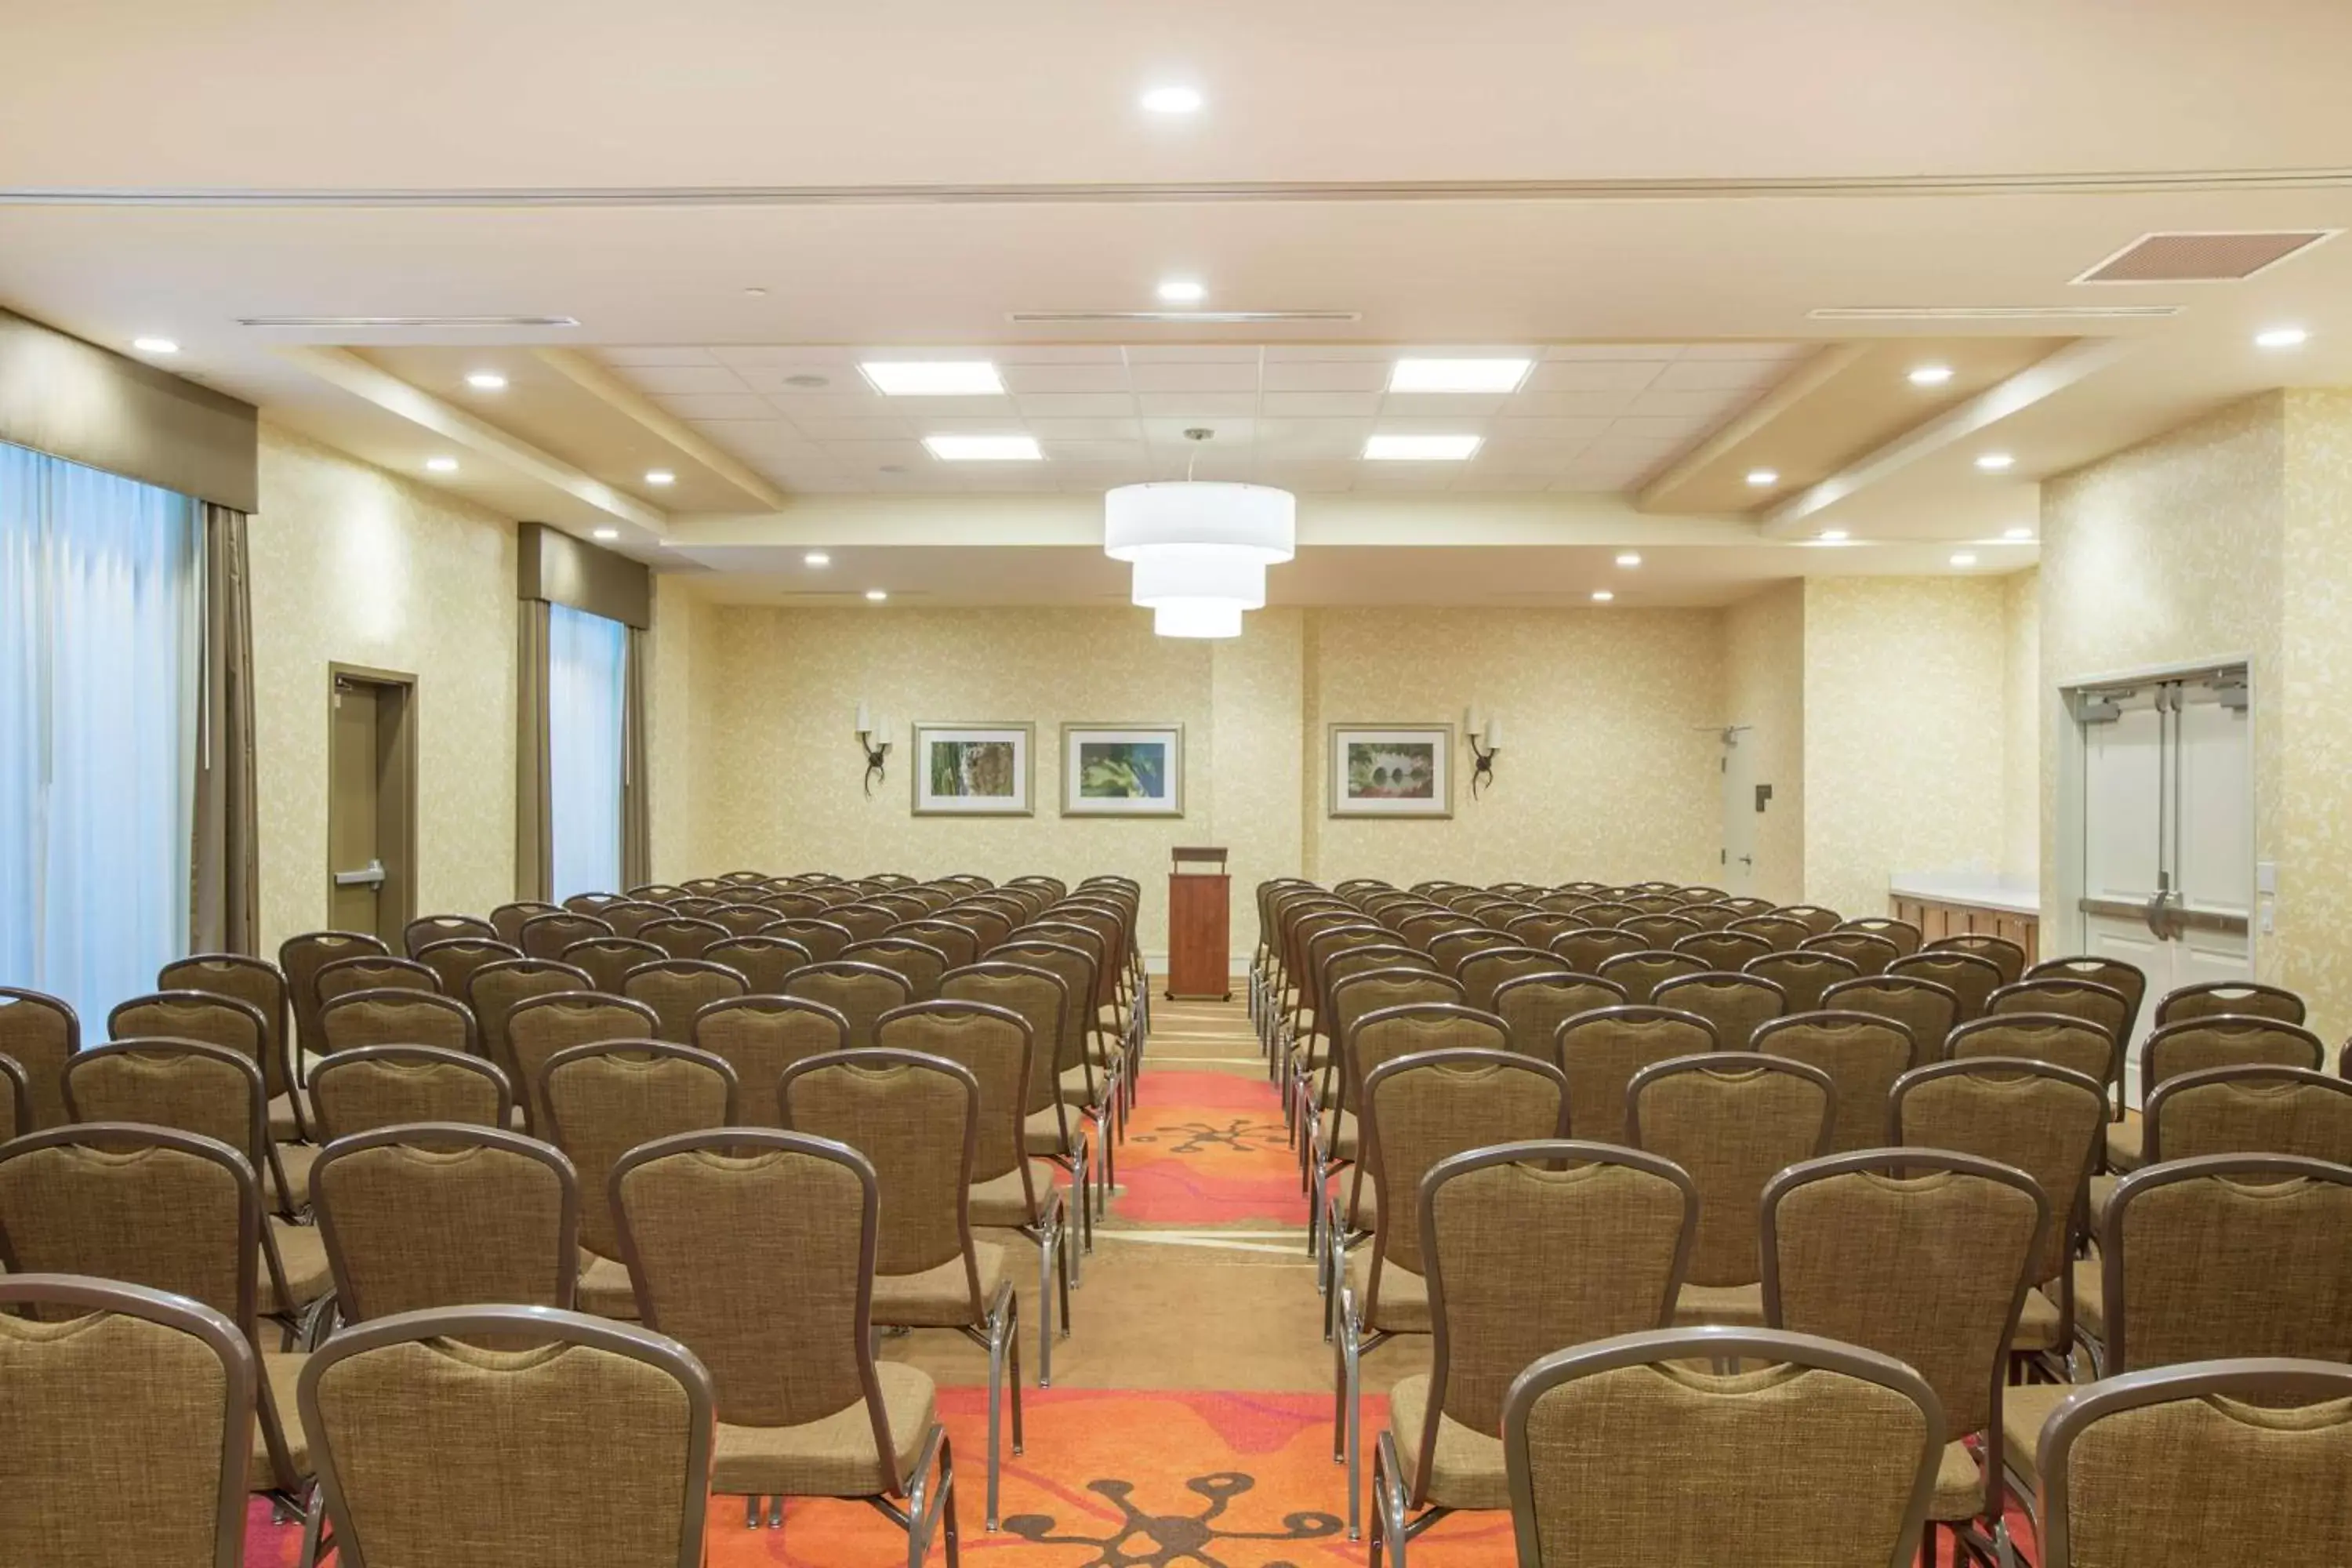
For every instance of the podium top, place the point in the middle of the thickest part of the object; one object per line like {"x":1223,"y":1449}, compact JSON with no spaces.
{"x":1193,"y":854}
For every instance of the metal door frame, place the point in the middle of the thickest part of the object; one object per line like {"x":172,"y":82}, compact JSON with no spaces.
{"x":396,"y":819}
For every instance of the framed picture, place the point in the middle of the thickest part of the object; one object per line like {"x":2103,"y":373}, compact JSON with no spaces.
{"x":1122,"y":770}
{"x":972,"y":770}
{"x":1394,"y":770}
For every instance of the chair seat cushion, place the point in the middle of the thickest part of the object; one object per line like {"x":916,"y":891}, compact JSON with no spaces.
{"x":2123,"y":1146}
{"x":1960,"y":1485}
{"x":834,"y":1456}
{"x":939,"y":1297}
{"x":1076,"y":1091}
{"x":604,"y":1288}
{"x":1005,"y":1205}
{"x":1466,"y":1468}
{"x":1041,"y":1134}
{"x":2103,"y":1192}
{"x":1340,"y":1134}
{"x":2090,"y":1298}
{"x":303,"y":1250}
{"x":281,"y":1373}
{"x":1404,"y":1306}
{"x":282,"y":1125}
{"x":2037,"y":1325}
{"x":296,"y":1159}
{"x":2024,"y":1410}
{"x":1741,"y":1306}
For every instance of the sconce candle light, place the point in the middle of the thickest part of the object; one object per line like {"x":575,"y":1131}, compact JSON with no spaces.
{"x":873,"y":738}
{"x":1486,"y":738}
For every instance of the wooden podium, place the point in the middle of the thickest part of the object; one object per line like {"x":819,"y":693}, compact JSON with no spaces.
{"x":1199,"y":956}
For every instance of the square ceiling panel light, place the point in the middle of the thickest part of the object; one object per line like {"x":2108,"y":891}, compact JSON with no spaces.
{"x":984,"y":448}
{"x":1458,"y":375}
{"x":934,"y":378}
{"x":1422,"y":448}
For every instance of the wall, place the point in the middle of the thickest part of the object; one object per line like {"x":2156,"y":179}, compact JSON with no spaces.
{"x":1764,"y":675}
{"x":1905,"y":733}
{"x":681,"y":627}
{"x":2313,"y":843}
{"x":354,"y":565}
{"x":2021,"y":726}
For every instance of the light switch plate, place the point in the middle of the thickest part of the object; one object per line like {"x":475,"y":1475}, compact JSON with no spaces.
{"x":2266,"y":878}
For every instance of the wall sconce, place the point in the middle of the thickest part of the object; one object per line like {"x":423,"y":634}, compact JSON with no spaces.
{"x":1486,"y":738}
{"x":876,"y":750}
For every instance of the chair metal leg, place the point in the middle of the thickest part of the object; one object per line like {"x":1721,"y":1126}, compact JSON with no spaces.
{"x":776,"y":1511}
{"x":314,"y":1516}
{"x":751,"y":1512}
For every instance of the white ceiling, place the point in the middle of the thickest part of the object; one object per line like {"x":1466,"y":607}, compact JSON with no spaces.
{"x":1589,"y":416}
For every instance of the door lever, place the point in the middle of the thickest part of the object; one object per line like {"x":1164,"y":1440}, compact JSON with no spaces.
{"x":370,"y":875}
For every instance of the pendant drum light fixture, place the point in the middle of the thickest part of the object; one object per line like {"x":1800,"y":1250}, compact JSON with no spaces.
{"x":1200,"y":548}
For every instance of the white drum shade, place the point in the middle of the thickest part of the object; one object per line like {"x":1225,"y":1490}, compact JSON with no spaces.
{"x":1197,"y":618}
{"x":1182,"y":518}
{"x":1226,"y":580}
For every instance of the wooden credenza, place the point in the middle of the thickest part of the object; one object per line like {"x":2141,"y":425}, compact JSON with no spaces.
{"x":1952,"y":914}
{"x":1199,"y":903}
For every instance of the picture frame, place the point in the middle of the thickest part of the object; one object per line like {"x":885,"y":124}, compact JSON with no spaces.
{"x":973,"y":769}
{"x":1122,"y":770}
{"x":1391,"y":770}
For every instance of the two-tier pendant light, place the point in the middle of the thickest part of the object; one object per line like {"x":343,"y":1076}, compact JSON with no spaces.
{"x":1200,"y":548}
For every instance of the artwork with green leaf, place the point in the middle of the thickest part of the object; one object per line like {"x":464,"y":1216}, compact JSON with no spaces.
{"x":1393,"y":771}
{"x":1128,"y":769}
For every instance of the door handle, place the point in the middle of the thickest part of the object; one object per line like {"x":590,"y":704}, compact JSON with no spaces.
{"x":370,"y":875}
{"x":2153,"y":915}
{"x":1747,"y":860}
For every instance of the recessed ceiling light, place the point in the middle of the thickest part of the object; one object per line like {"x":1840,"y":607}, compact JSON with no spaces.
{"x":1601,"y":595}
{"x":983,"y":448}
{"x":878,"y":594}
{"x":2282,"y":338}
{"x":442,"y":465}
{"x":660,"y":476}
{"x":808,"y":380}
{"x":1629,"y":559}
{"x":1422,"y":448}
{"x":155,"y":345}
{"x":608,"y":533}
{"x":1458,"y":375}
{"x":2017,"y":534}
{"x":1965,"y":558}
{"x":934,"y":378}
{"x":485,"y":381}
{"x":1173,"y":100}
{"x":1931,"y":374}
{"x":1761,"y":477}
{"x":1995,"y":462}
{"x":1832,"y":536}
{"x":817,"y":558}
{"x":1184,"y":291}
{"x":755,"y":292}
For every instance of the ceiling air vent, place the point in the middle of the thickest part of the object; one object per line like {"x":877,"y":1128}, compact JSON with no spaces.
{"x":2217,"y":258}
{"x":1176,"y":317}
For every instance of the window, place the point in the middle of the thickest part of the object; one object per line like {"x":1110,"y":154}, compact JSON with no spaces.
{"x":587,"y":662}
{"x":101,"y":622}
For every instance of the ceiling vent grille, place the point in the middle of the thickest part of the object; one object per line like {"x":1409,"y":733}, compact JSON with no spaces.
{"x":1176,"y":317}
{"x":2214,"y":257}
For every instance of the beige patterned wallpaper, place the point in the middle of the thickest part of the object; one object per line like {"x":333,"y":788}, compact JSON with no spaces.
{"x":2022,"y":725}
{"x":1764,"y":670}
{"x":2314,"y":840}
{"x":355,"y":565}
{"x":1904,"y":732}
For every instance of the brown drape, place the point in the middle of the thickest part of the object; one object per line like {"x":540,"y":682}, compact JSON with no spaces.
{"x":225,"y":895}
{"x":534,"y":808}
{"x":637,"y":816}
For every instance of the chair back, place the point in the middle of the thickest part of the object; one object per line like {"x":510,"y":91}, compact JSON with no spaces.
{"x":1919,"y":1254}
{"x":605,"y":1099}
{"x":1661,"y":928}
{"x":2243,"y":998}
{"x":257,"y":982}
{"x":396,"y":1018}
{"x":1533,"y":1006}
{"x":1384,"y":1034}
{"x":1075,"y":968}
{"x":1622,"y":1452}
{"x":1602,"y":1050}
{"x":756,"y":1248}
{"x":1801,"y":973}
{"x":823,"y":939}
{"x":445,"y":1214}
{"x":1585,"y":950}
{"x":2195,"y":1045}
{"x":632,"y":915}
{"x":1867,"y":952}
{"x":16,"y":1101}
{"x":2006,"y":957}
{"x":455,"y":961}
{"x":2089,"y":1000}
{"x":759,"y":1036}
{"x":1531,"y":1245}
{"x":2230,"y":1255}
{"x":958,"y":943}
{"x":1611,"y":912}
{"x":861,"y":993}
{"x":918,"y":963}
{"x":1723,"y":950}
{"x":547,"y":935}
{"x":916,"y":1119}
{"x":684,"y":935}
{"x":137,"y":1394}
{"x":1862,"y":1055}
{"x":508,"y":920}
{"x":186,"y":1085}
{"x":541,"y":1027}
{"x":1928,"y":1009}
{"x":864,"y":919}
{"x":1039,"y":998}
{"x":609,"y":959}
{"x":1640,"y":974}
{"x":2267,"y":1442}
{"x":2257,"y":1109}
{"x":300,"y":959}
{"x":496,"y":989}
{"x":1487,"y":970}
{"x":40,"y":1034}
{"x":1970,"y":977}
{"x":431,"y":1448}
{"x":385,"y":1086}
{"x":1906,"y":937}
{"x":235,"y":1026}
{"x":2129,"y":980}
{"x":742,"y":919}
{"x":679,"y":988}
{"x":1732,"y":1120}
{"x":2077,"y":1043}
{"x":1815,"y":918}
{"x":425,"y":929}
{"x":1736,"y":1005}
{"x":995,"y":1046}
{"x":1783,"y":934}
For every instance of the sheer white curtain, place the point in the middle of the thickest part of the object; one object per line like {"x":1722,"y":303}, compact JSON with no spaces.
{"x":100,"y":647}
{"x":587,"y":659}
